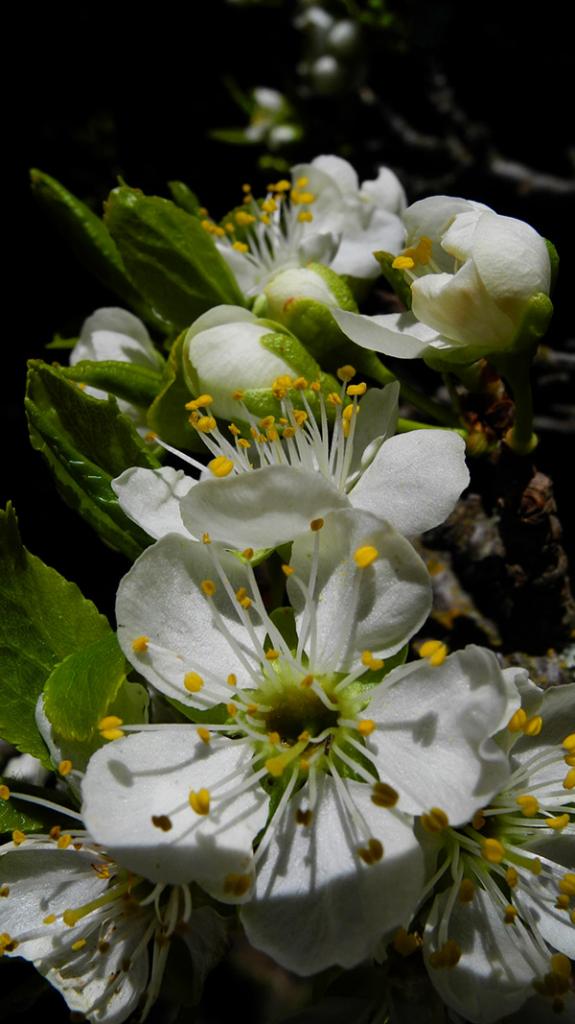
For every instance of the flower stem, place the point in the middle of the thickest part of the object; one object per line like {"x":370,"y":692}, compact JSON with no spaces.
{"x":517,"y":373}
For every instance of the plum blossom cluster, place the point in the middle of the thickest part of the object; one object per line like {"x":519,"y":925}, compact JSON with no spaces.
{"x":295,"y":764}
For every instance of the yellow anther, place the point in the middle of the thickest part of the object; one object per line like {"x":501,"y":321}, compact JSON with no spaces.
{"x":509,"y":914}
{"x":305,"y":216}
{"x":558,"y":823}
{"x":49,"y":919}
{"x":229,"y":227}
{"x":304,"y":736}
{"x":316,"y":524}
{"x":306,"y":198}
{"x":55,"y":832}
{"x":535,"y":866}
{"x":334,"y":399}
{"x":246,"y":602}
{"x":356,"y":389}
{"x":423,"y":249}
{"x":349,"y":411}
{"x":300,"y":416}
{"x":199,"y":402}
{"x":370,"y":662}
{"x":204,"y":424}
{"x":240,"y":593}
{"x":140,"y":644}
{"x":243,"y":218}
{"x":405,"y":943}
{"x":372,"y":853}
{"x":366,"y":726}
{"x":561,"y":965}
{"x":448,"y":956}
{"x":232,"y":679}
{"x":434,"y":651}
{"x":306,"y":681}
{"x":240,"y":246}
{"x":302,"y":182}
{"x":269,"y":206}
{"x":288,"y":432}
{"x":208,"y":587}
{"x":569,"y":780}
{"x":248,"y":554}
{"x":64,"y":842}
{"x":478,"y":820}
{"x":246,"y":188}
{"x":204,"y":734}
{"x":562,"y":902}
{"x":300,"y":384}
{"x":4,"y":792}
{"x":287,"y":570}
{"x":272,"y":434}
{"x":517,"y":721}
{"x":466,"y":892}
{"x":365,"y":556}
{"x":533,"y":726}
{"x":567,"y":884}
{"x":346,"y":373}
{"x":193,"y":682}
{"x":492,"y":850}
{"x":207,"y":225}
{"x":232,"y":710}
{"x":78,"y":944}
{"x":238,"y":394}
{"x":18,"y":837}
{"x":383,"y":795}
{"x":7,"y":943}
{"x":243,"y":442}
{"x":102,"y":870}
{"x":272,"y":654}
{"x":200,"y":801}
{"x":234,"y":430}
{"x":206,"y":539}
{"x":4,"y":890}
{"x":511,"y":877}
{"x":220,"y":466}
{"x":303,"y":817}
{"x":403,"y":263}
{"x":161,"y":821}
{"x":110,"y":723}
{"x":267,"y":421}
{"x":569,"y":743}
{"x":435,"y":821}
{"x":529,"y":805}
{"x":274,"y":738}
{"x":570,"y":760}
{"x":304,"y":764}
{"x":237,"y":885}
{"x":65,"y":767}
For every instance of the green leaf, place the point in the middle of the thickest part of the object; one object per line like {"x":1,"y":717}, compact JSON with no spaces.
{"x":172,"y":260}
{"x":90,"y":241}
{"x":86,"y":443}
{"x":395,"y":278}
{"x":136,"y":384}
{"x":216,"y":715}
{"x":43,"y":619}
{"x":81,"y":688}
{"x":284,"y":620}
{"x":167,"y":414}
{"x":185,"y":198}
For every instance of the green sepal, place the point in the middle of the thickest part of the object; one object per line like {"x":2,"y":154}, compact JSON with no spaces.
{"x":533,"y":326}
{"x":59,"y":343}
{"x":167,"y":414}
{"x":90,"y":241}
{"x":286,"y":346}
{"x":139,"y":385}
{"x":185,"y":198}
{"x":173,"y":261}
{"x":86,"y":443}
{"x":81,"y":688}
{"x":395,"y":278}
{"x":43,"y":619}
{"x":262,"y":402}
{"x":24,"y":816}
{"x":554,"y":261}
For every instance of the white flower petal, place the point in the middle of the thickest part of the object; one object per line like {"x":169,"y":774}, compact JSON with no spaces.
{"x":336,"y":168}
{"x":557,"y":710}
{"x":160,"y":598}
{"x":431,"y":218}
{"x":511,"y":260}
{"x":260,"y":509}
{"x":495,"y":974}
{"x":414,"y":480}
{"x":434,"y":737}
{"x":316,"y":903}
{"x":376,"y":422}
{"x":150,"y":775}
{"x":151,"y":498}
{"x":459,"y":307}
{"x":393,"y":334}
{"x":538,"y":900}
{"x":355,"y":254}
{"x":377,"y":608}
{"x":386,"y":191}
{"x":114,"y":333}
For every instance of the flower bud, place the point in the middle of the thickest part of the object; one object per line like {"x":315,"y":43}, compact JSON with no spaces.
{"x":228,"y":350}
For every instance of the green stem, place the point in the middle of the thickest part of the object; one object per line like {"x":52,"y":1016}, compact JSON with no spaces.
{"x":404,"y":426}
{"x":517,"y":372}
